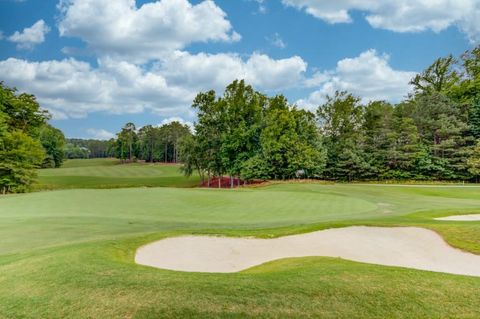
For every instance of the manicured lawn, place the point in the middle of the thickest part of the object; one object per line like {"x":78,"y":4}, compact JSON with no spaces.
{"x":70,"y":253}
{"x":110,"y":173}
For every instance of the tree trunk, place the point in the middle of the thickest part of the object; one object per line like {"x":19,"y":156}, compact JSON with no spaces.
{"x":165,"y":153}
{"x":220,"y":181}
{"x":208,"y":178}
{"x":231,"y":181}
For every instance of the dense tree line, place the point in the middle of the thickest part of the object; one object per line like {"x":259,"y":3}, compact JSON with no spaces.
{"x":149,"y":143}
{"x":434,"y":134}
{"x":248,"y":135}
{"x":27,"y":141}
{"x":86,"y":148}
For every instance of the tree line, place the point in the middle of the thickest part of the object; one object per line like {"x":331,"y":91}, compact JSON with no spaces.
{"x":149,"y":143}
{"x":433,"y":134}
{"x":27,"y":141}
{"x":77,"y":148}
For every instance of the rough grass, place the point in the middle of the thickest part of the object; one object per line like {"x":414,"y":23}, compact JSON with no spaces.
{"x":70,"y":253}
{"x":110,"y":173}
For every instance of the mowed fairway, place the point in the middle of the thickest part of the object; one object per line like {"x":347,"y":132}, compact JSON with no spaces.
{"x":70,"y":253}
{"x":109,"y":173}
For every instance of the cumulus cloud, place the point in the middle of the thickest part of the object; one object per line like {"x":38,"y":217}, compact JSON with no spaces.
{"x":369,"y":76}
{"x":71,"y":88}
{"x":400,"y":15}
{"x":214,"y":71}
{"x":120,"y":28}
{"x":100,"y":134}
{"x":31,"y":36}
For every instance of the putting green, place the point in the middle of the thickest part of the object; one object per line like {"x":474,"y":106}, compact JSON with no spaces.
{"x":63,"y":216}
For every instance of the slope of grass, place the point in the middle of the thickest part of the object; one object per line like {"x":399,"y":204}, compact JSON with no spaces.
{"x":109,"y":173}
{"x":70,"y":253}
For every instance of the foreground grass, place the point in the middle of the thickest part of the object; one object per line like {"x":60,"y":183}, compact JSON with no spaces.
{"x":70,"y":253}
{"x":110,"y":173}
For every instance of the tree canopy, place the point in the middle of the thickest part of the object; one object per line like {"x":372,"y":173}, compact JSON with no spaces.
{"x":26,"y":140}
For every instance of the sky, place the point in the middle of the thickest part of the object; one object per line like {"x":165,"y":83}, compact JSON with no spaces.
{"x":98,"y":64}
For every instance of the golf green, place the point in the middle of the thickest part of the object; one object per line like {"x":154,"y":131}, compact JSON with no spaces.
{"x":70,"y":253}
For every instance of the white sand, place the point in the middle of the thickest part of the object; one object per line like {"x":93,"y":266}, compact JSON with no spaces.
{"x":464,"y":218}
{"x":403,"y":246}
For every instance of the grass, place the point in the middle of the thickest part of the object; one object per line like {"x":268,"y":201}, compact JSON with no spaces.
{"x":70,"y":253}
{"x":109,"y":173}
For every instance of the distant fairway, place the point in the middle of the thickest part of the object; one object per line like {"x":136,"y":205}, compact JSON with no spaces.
{"x":70,"y":253}
{"x":109,"y":173}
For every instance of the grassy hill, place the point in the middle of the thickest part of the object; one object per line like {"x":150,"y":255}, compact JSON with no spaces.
{"x":110,"y":173}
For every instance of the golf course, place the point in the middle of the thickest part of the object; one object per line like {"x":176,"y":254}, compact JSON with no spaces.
{"x":70,"y":252}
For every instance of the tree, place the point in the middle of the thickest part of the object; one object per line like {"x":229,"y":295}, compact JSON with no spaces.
{"x":377,"y":128}
{"x":20,"y":155}
{"x":289,"y":143}
{"x":241,"y":115}
{"x":439,"y":77}
{"x":404,"y":150}
{"x":443,"y":132}
{"x":148,"y":139}
{"x":474,"y":118}
{"x":53,"y":141}
{"x":126,"y":141}
{"x":208,"y":132}
{"x":473,"y":162}
{"x":20,"y":149}
{"x":340,"y":119}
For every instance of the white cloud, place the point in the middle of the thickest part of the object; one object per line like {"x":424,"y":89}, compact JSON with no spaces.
{"x":71,"y":88}
{"x":276,"y":40}
{"x":119,"y":28}
{"x":100,"y":134}
{"x":400,"y":15}
{"x":31,"y":36}
{"x":369,"y":76}
{"x":214,"y":71}
{"x":177,"y":119}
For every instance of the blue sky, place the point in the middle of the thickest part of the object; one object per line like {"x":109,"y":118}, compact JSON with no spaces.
{"x":97,"y":64}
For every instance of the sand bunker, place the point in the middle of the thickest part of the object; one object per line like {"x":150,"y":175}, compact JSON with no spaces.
{"x":410,"y":247}
{"x":464,"y":218}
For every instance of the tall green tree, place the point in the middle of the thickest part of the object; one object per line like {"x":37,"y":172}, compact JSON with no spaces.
{"x":53,"y":141}
{"x":290,"y":145}
{"x":20,"y":149}
{"x":340,"y":119}
{"x":377,"y":128}
{"x":241,"y":109}
{"x":126,"y":142}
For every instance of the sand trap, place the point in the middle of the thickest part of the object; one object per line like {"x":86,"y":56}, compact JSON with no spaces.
{"x":403,"y":246}
{"x":464,"y":218}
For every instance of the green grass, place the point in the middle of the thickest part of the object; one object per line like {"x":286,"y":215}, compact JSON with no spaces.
{"x":70,"y":253}
{"x":109,"y":173}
